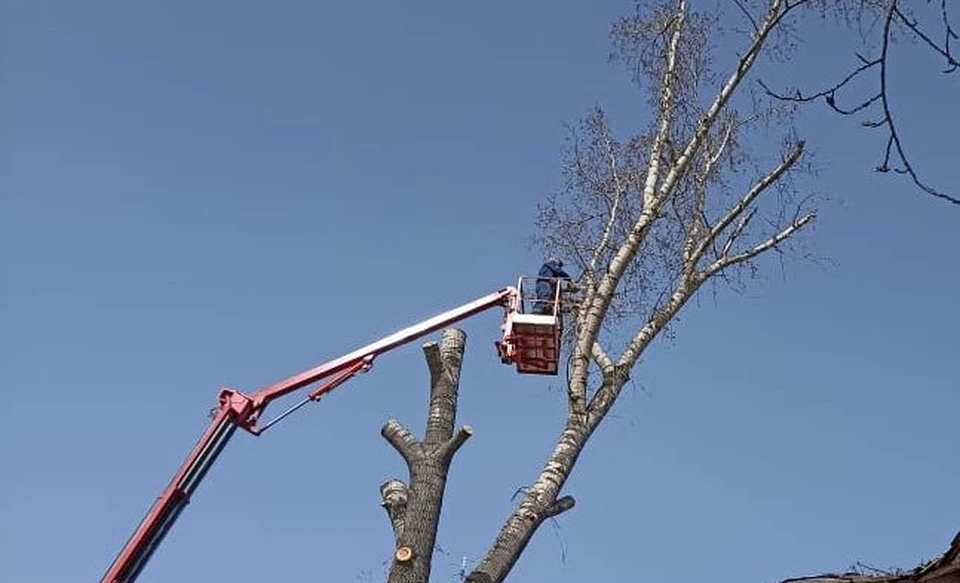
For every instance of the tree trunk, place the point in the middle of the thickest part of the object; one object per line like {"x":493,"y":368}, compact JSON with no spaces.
{"x":415,"y":511}
{"x":539,"y":503}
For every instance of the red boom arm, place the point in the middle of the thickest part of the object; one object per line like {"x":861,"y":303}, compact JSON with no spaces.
{"x":239,"y":410}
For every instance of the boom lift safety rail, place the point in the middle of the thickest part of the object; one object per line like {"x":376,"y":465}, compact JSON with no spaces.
{"x":531,"y":341}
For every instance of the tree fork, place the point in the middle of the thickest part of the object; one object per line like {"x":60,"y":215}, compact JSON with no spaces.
{"x":414,"y":511}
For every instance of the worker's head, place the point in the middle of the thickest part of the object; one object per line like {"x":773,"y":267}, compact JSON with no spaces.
{"x":555,"y":261}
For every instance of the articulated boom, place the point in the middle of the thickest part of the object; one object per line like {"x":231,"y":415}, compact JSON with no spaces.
{"x":530,"y":341}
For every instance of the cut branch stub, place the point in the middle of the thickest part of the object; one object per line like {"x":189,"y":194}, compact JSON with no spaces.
{"x":401,"y":439}
{"x":393,"y":494}
{"x":560,"y":506}
{"x":453,"y":444}
{"x":404,"y":554}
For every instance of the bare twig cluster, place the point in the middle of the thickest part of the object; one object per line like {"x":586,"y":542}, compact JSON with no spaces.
{"x":895,"y":18}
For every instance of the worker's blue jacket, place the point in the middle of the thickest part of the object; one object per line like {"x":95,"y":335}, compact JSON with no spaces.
{"x":545,"y":286}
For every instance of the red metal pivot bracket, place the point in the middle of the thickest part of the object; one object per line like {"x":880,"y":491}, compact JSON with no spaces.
{"x":240,"y":408}
{"x":362,"y":365}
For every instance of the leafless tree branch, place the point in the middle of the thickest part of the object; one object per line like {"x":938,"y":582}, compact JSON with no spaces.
{"x":737,"y":210}
{"x":600,"y":357}
{"x":728,"y":260}
{"x":737,"y":231}
{"x":949,"y":34}
{"x":894,"y":151}
{"x":894,"y":136}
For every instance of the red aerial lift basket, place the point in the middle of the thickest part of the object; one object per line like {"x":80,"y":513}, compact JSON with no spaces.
{"x":531,"y":329}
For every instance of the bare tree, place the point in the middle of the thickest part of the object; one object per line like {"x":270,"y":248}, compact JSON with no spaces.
{"x":648,"y":220}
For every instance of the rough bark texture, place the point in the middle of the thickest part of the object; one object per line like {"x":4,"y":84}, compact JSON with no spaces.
{"x":414,"y":512}
{"x":539,"y":503}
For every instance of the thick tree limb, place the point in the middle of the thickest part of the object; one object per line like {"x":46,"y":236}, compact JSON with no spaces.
{"x":452,"y":445}
{"x":577,"y":385}
{"x":401,"y":439}
{"x":601,"y":358}
{"x":577,"y":382}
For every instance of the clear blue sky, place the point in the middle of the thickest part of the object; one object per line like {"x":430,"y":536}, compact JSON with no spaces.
{"x":207,"y":194}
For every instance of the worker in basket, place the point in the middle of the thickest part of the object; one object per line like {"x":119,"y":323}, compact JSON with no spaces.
{"x":548,"y":279}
